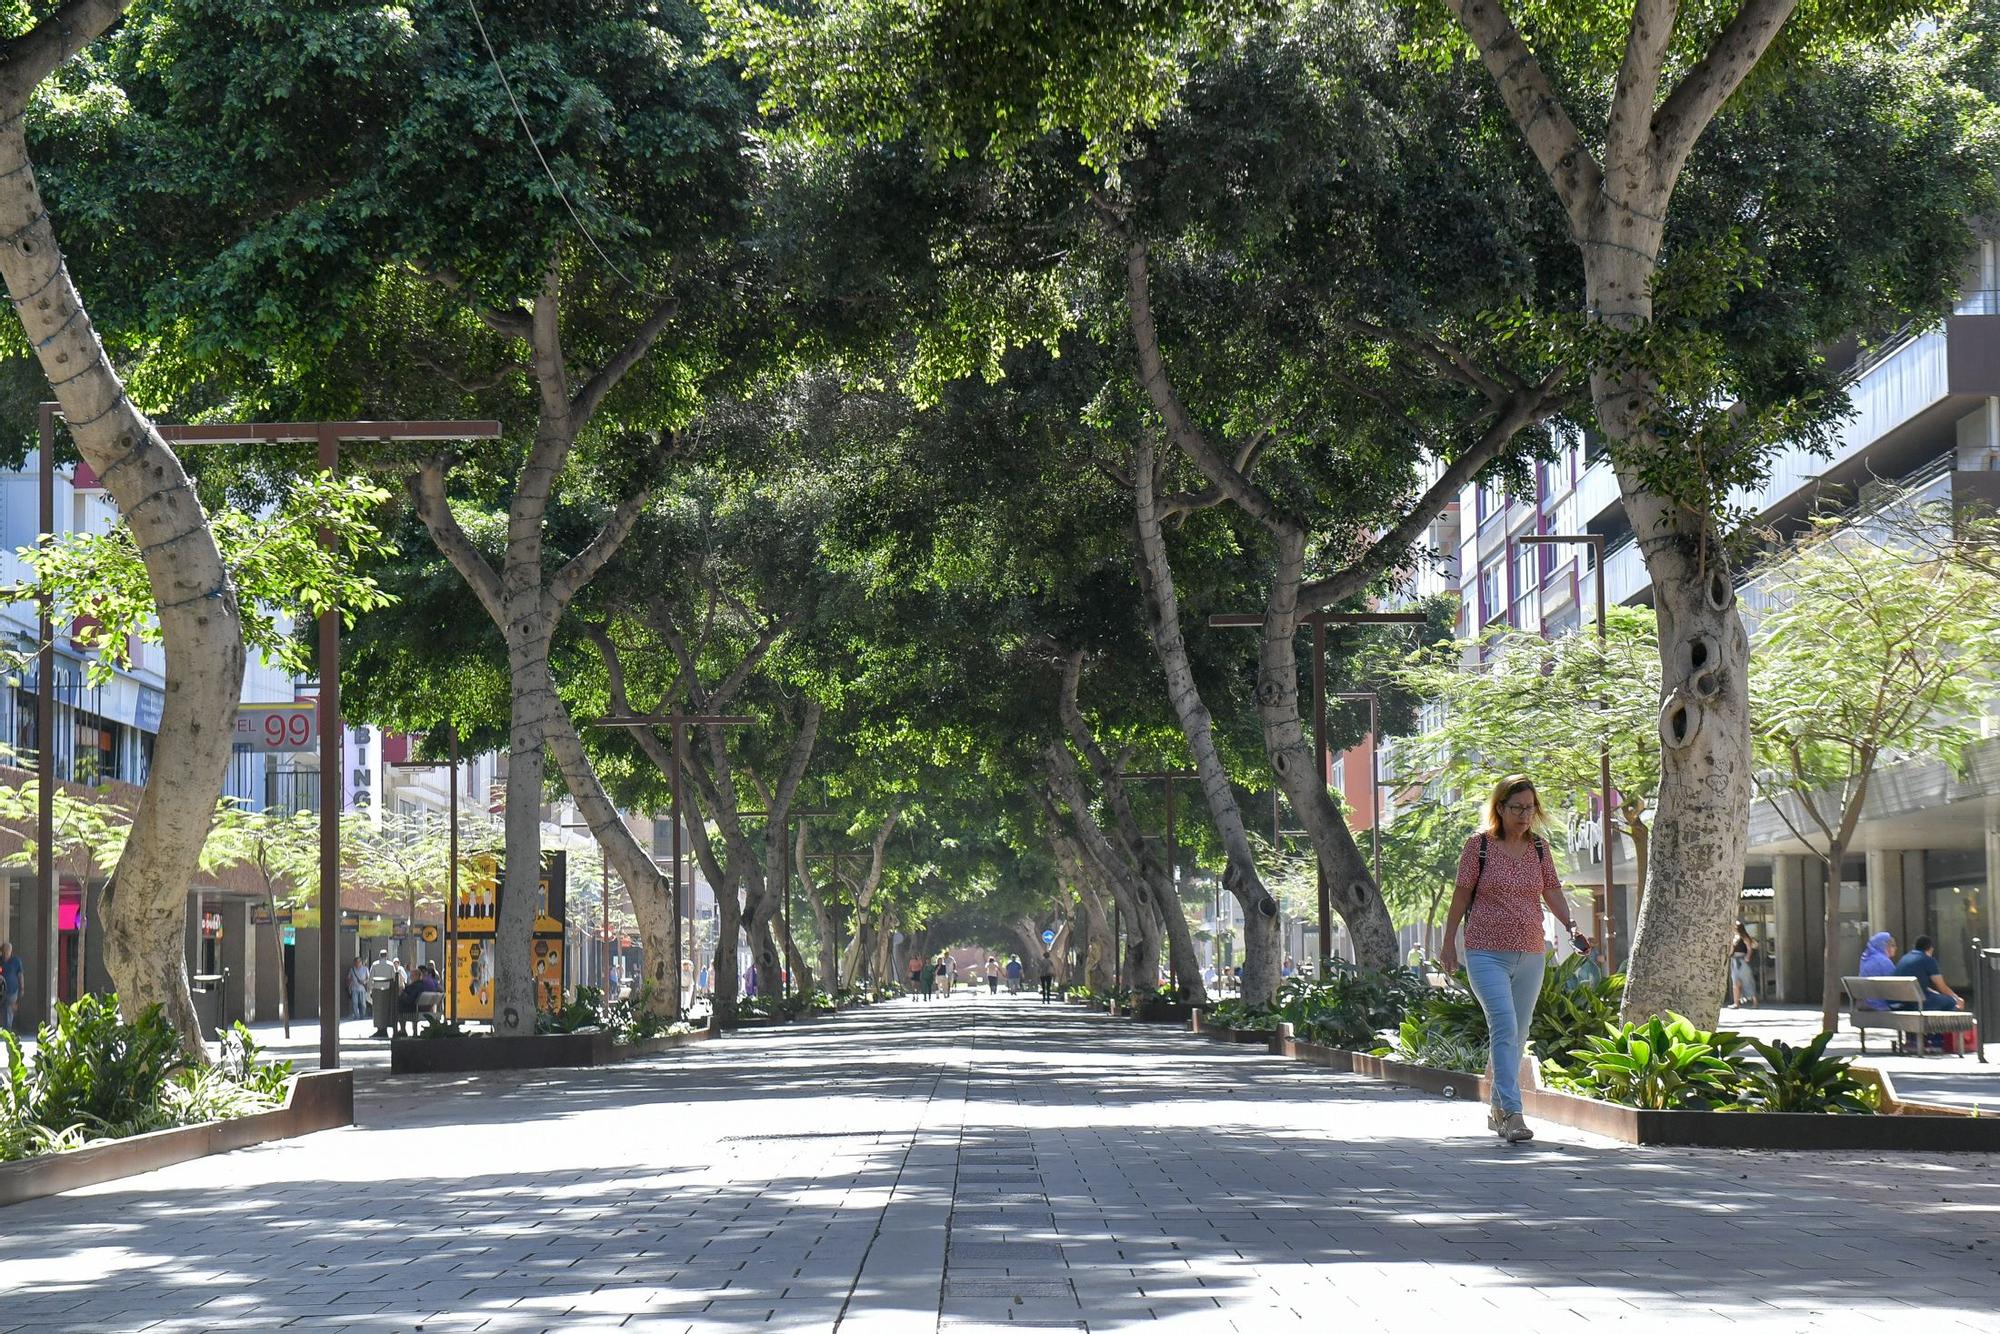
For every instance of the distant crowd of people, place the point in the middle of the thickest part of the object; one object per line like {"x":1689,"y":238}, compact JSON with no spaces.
{"x":931,"y":978}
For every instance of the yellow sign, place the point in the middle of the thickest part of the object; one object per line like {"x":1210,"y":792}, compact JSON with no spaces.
{"x":429,"y":934}
{"x":477,"y":909}
{"x":475,"y":975}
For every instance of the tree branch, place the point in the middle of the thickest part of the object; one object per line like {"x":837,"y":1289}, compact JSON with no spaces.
{"x":427,"y":491}
{"x":1520,"y":411}
{"x":1704,"y":89}
{"x":37,"y":53}
{"x":1532,"y":101}
{"x":1181,"y":429}
{"x":1646,"y":40}
{"x":577,"y":572}
{"x":512,"y":324}
{"x":584,"y":406}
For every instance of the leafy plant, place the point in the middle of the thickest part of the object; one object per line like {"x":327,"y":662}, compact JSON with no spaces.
{"x":1576,"y":1003}
{"x":95,"y":1070}
{"x":1236,"y":1014}
{"x":1806,"y":1079}
{"x":1420,"y":1043}
{"x":1659,"y":1065}
{"x":1350,"y":1006}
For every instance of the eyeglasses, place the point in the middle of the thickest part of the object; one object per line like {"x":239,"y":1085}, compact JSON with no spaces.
{"x":1516,"y":808}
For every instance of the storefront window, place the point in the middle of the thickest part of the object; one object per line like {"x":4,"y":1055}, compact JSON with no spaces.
{"x":1954,"y":884}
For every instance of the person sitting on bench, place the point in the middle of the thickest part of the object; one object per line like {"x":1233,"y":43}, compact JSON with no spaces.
{"x":1921,"y":963}
{"x":425,"y":980}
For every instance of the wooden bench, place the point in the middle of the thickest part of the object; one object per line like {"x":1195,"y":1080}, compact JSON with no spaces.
{"x":1919,"y":1023}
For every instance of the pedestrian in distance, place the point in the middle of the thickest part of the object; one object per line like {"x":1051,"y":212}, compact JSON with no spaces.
{"x":1014,"y":975}
{"x":992,"y":976}
{"x":929,"y":975}
{"x":1742,"y":967}
{"x":10,"y":984}
{"x":1505,"y":876}
{"x":357,"y":989}
{"x":1046,"y":970}
{"x":943,"y":974}
{"x":383,"y":988}
{"x":917,"y":974}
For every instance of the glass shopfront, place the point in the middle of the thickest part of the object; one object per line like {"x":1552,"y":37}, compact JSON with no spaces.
{"x":1954,"y":883}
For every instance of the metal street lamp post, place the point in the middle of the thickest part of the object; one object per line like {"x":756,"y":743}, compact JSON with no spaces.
{"x":1318,"y":621}
{"x":1595,"y":541}
{"x":328,"y":436}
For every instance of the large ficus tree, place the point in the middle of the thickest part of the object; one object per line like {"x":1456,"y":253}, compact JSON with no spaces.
{"x":1619,"y":104}
{"x":196,"y":600}
{"x":530,"y":212}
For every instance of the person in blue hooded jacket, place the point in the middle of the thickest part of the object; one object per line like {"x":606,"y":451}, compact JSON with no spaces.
{"x":1878,"y":959}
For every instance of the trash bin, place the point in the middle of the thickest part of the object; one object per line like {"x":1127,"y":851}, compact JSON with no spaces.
{"x":207,"y":990}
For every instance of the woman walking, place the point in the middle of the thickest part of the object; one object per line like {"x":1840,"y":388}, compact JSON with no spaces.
{"x":1505,"y":875}
{"x":1743,"y":967}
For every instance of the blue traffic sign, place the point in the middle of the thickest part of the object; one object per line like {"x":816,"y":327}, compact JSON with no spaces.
{"x":1048,"y":937}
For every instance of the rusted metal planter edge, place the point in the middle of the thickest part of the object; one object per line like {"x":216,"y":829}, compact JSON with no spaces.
{"x":319,"y":1100}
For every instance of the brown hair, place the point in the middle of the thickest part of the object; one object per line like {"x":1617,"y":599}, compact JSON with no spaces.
{"x":1510,"y":786}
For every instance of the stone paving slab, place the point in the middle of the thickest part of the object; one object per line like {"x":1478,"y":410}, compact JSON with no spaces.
{"x":986,"y":1164}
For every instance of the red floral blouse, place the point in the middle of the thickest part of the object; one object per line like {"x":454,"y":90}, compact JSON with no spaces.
{"x":1506,"y":914}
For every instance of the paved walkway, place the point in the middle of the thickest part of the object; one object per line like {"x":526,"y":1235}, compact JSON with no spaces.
{"x":982,"y":1163}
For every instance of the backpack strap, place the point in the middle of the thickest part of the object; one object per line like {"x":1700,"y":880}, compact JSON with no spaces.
{"x":1474,"y":896}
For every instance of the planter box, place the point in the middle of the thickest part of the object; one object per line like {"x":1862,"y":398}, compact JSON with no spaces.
{"x":432,"y":1056}
{"x":1263,"y":1037}
{"x":1163,"y":1012}
{"x":319,"y":1100}
{"x":1911,"y":1127}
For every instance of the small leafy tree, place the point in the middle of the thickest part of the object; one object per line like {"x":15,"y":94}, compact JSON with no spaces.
{"x":282,"y":850}
{"x":1874,"y":654}
{"x":1547,"y":708}
{"x":1420,"y":849}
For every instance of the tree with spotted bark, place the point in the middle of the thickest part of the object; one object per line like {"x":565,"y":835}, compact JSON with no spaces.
{"x":1614,"y":100}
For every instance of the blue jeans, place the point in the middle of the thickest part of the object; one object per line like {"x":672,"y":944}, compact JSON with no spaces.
{"x":1506,"y":983}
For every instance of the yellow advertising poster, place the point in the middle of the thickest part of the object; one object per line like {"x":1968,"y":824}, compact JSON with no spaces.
{"x":475,"y":975}
{"x":477,"y":909}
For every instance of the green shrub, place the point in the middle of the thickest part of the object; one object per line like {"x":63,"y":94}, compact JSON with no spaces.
{"x":92,"y":1069}
{"x":1350,"y":1007}
{"x":95,"y":1077}
{"x":1806,"y":1079}
{"x":1577,"y":1002}
{"x":1662,"y":1064}
{"x":1436,"y":1046}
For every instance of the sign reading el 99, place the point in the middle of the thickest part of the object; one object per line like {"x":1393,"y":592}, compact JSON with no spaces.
{"x":270,"y":728}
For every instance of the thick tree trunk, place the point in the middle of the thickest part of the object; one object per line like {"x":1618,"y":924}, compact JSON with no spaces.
{"x":1350,"y":883}
{"x":145,"y":906}
{"x":1239,"y":872}
{"x":1141,"y":925}
{"x":1157,"y":875}
{"x":1701,"y":820}
{"x":514,"y":932}
{"x":1833,"y":967}
{"x":652,"y":896}
{"x":864,"y":898}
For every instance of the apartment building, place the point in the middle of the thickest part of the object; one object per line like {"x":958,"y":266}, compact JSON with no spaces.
{"x":1925,"y":428}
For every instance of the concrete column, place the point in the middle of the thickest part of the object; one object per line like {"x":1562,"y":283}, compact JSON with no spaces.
{"x":239,"y":961}
{"x":1990,"y":905}
{"x":1885,"y":893}
{"x":1788,"y":911}
{"x":1916,"y":916}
